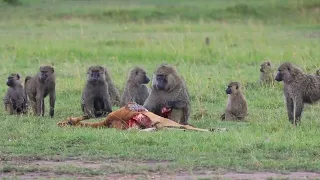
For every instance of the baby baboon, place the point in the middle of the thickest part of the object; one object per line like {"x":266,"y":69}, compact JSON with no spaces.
{"x":318,"y":72}
{"x":135,"y":88}
{"x":170,"y":91}
{"x":299,"y":88}
{"x":207,"y":41}
{"x":38,"y":87}
{"x":267,"y":74}
{"x":15,"y":100}
{"x":237,"y":105}
{"x":95,"y":96}
{"x":113,"y":91}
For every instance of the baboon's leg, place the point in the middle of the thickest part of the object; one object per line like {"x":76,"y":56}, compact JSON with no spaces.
{"x":298,"y":110}
{"x":42,"y":107}
{"x":39,"y":99}
{"x":290,"y":109}
{"x":52,"y":102}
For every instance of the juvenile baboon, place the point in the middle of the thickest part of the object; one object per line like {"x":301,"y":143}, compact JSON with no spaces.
{"x":267,"y":73}
{"x":113,"y":91}
{"x":207,"y":41}
{"x":15,"y":100}
{"x":38,"y":87}
{"x":95,"y":96}
{"x":170,"y":91}
{"x":299,"y":88}
{"x":135,"y":88}
{"x":318,"y":72}
{"x":236,"y":105}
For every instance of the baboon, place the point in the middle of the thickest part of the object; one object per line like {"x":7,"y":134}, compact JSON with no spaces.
{"x":169,"y":91}
{"x":299,"y":88}
{"x":318,"y":72}
{"x":38,"y":87}
{"x":236,"y":105}
{"x":95,"y":96}
{"x":135,"y":88}
{"x":207,"y":41}
{"x":15,"y":100}
{"x":267,"y":73}
{"x":112,"y":89}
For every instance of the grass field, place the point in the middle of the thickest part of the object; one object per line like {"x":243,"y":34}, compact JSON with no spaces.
{"x":120,"y":34}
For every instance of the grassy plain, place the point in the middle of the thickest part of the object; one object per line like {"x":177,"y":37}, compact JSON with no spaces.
{"x":120,"y":34}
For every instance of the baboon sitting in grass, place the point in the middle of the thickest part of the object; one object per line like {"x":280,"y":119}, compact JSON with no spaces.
{"x":267,"y":73}
{"x":15,"y":100}
{"x":135,"y":89}
{"x":237,"y":105}
{"x":299,"y":88}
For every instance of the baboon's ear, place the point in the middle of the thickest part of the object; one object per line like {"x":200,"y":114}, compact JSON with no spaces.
{"x":268,"y":63}
{"x":18,"y":76}
{"x":237,"y":87}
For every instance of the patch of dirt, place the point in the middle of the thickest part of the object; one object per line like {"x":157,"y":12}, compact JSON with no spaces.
{"x":47,"y":169}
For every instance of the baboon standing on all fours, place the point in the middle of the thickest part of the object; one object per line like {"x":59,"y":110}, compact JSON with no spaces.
{"x":135,"y":88}
{"x":15,"y":100}
{"x":299,"y":88}
{"x":169,"y":91}
{"x":38,"y":87}
{"x":237,"y":108}
{"x":95,"y":96}
{"x":267,"y":74}
{"x":112,"y":89}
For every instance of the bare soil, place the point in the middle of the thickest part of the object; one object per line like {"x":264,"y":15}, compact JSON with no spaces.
{"x":116,"y":169}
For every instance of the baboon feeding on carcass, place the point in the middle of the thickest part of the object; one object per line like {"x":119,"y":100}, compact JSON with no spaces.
{"x":135,"y":88}
{"x":169,"y":95}
{"x":237,"y":105}
{"x":95,"y":96}
{"x":267,"y":74}
{"x":38,"y":87}
{"x":15,"y":100}
{"x":299,"y":88}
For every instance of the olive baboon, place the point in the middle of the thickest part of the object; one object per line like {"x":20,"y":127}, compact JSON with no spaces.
{"x":207,"y":41}
{"x":318,"y":72}
{"x":236,"y":105}
{"x":169,"y":91}
{"x":135,"y":88}
{"x":15,"y":100}
{"x":95,"y":96}
{"x":112,"y":89}
{"x":267,"y":73}
{"x":299,"y":88}
{"x":38,"y":87}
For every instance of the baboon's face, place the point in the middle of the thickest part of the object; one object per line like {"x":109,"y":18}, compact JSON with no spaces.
{"x":232,"y":88}
{"x":141,"y":77}
{"x":12,"y":79}
{"x":96,"y":74}
{"x":164,"y":78}
{"x":283,"y":74}
{"x":161,"y":82}
{"x":264,"y":67}
{"x":45,"y":72}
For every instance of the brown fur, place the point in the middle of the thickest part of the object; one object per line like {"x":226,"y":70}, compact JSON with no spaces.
{"x":135,"y":89}
{"x":237,"y":108}
{"x":299,"y":88}
{"x":38,"y":87}
{"x":95,"y":95}
{"x":112,"y":89}
{"x":267,"y":73}
{"x":169,"y":90}
{"x":15,"y":100}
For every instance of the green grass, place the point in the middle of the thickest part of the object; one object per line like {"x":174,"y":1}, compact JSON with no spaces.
{"x":121,"y":34}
